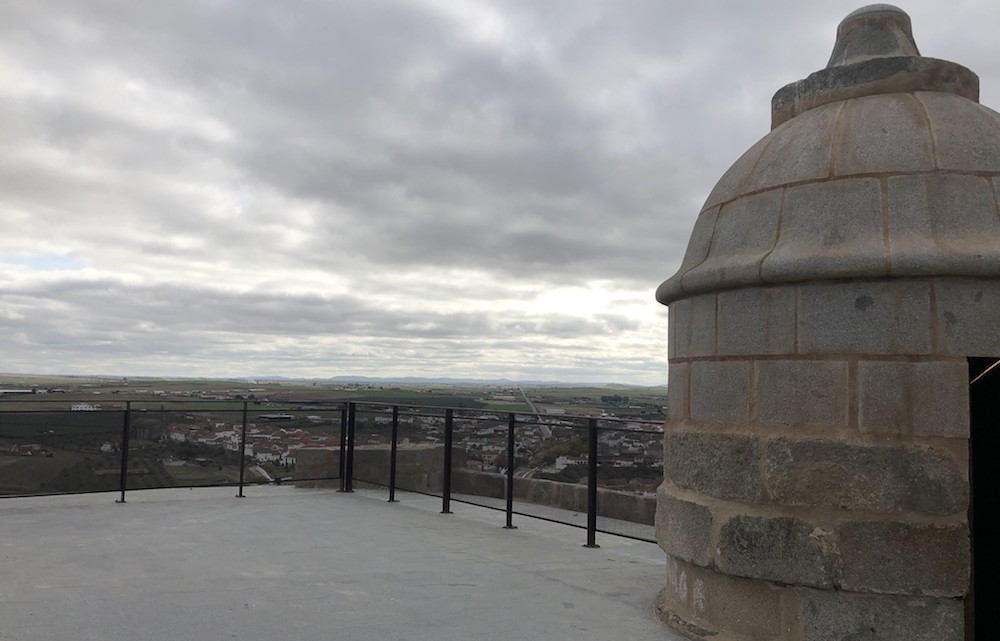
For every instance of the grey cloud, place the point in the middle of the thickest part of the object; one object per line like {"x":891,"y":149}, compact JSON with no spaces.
{"x":107,"y":307}
{"x":265,"y":143}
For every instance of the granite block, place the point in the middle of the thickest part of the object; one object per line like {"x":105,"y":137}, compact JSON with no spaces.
{"x":968,"y":315}
{"x":826,"y":615}
{"x":679,"y":329}
{"x":720,"y":391}
{"x":881,"y":134}
{"x":683,"y":528}
{"x":865,"y":477}
{"x":829,"y":230}
{"x":757,"y":321}
{"x":880,"y":317}
{"x":774,"y":548}
{"x":799,"y":150}
{"x":678,"y":391}
{"x":943,"y":225}
{"x":697,"y":250}
{"x":801,"y":394}
{"x":693,"y":327}
{"x":903,"y":558}
{"x":744,"y":233}
{"x":702,"y":326}
{"x":704,"y":604}
{"x":701,"y":240}
{"x":923,"y":399}
{"x":732,"y":184}
{"x":723,"y":466}
{"x":967,"y":133}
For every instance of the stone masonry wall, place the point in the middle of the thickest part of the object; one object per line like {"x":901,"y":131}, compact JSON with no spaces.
{"x":837,"y":279}
{"x":816,"y":445}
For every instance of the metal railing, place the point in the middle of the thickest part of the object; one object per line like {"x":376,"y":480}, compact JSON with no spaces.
{"x":155,"y":434}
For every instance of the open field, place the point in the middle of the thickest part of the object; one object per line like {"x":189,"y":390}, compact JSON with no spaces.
{"x":111,"y":393}
{"x":27,"y":474}
{"x":58,"y":425}
{"x":79,"y":471}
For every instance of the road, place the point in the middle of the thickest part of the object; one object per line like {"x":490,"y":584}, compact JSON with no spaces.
{"x":534,"y":410}
{"x":259,"y":470}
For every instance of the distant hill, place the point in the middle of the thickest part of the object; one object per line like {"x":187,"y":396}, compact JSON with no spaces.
{"x":452,"y":381}
{"x":444,"y":380}
{"x":14,"y":380}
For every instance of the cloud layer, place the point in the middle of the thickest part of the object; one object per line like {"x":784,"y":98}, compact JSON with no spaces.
{"x":420,"y":187}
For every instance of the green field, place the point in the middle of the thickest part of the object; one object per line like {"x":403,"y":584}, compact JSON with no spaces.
{"x":111,"y":393}
{"x":497,"y":406}
{"x":60,"y":427}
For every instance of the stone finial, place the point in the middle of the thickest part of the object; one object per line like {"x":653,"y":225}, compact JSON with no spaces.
{"x":874,"y":54}
{"x":875,"y":31}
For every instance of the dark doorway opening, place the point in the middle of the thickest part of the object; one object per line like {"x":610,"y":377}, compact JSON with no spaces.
{"x":984,"y":495}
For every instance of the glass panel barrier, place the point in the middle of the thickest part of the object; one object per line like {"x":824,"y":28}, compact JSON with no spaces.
{"x":57,"y":451}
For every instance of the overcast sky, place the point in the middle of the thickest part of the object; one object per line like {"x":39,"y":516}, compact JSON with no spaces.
{"x":317,"y":188}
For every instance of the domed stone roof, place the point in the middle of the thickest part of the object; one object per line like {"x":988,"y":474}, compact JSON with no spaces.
{"x":882,"y":165}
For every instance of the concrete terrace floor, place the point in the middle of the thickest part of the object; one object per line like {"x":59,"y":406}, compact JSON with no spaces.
{"x":293,"y":564}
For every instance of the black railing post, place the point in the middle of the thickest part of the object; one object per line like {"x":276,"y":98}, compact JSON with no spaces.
{"x":510,"y":472}
{"x":342,"y":464}
{"x":592,"y":485}
{"x":352,"y":412}
{"x":446,"y":480}
{"x":126,"y":425}
{"x":243,"y":449}
{"x":392,"y":454}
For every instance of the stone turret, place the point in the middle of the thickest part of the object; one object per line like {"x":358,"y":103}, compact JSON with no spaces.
{"x":838,"y":280}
